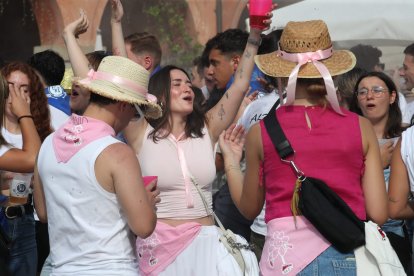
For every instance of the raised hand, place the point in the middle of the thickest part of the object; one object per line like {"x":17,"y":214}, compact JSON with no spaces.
{"x":231,"y":142}
{"x":266,"y":22}
{"x":386,"y":153}
{"x":117,"y":11}
{"x":19,"y":100}
{"x":79,"y":26}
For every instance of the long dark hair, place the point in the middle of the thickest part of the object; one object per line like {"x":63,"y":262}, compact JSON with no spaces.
{"x":159,"y":85}
{"x":38,"y":101}
{"x":393,"y":126}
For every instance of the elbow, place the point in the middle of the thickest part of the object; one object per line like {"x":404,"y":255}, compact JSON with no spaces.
{"x":380,"y":218}
{"x":144,"y":230}
{"x":242,"y":85}
{"x":42,"y":216}
{"x":394,"y":212}
{"x":381,"y":221}
{"x":249,"y":214}
{"x":28,"y":165}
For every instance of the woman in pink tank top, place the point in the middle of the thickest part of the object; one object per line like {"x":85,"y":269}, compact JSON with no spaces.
{"x":330,"y":143}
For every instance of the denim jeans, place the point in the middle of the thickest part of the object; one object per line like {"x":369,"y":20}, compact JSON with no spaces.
{"x":331,"y":262}
{"x":23,"y":255}
{"x":394,"y":226}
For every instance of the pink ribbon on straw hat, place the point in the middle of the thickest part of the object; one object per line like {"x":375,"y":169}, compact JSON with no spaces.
{"x":98,"y":75}
{"x":313,"y":57}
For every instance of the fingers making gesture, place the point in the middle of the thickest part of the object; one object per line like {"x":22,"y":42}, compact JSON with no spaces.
{"x":19,"y":100}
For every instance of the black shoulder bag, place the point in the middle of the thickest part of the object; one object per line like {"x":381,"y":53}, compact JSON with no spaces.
{"x":312,"y":198}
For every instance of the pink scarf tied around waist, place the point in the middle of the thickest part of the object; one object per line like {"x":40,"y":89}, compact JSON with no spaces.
{"x":290,"y":247}
{"x":312,"y":57}
{"x":77,"y":133}
{"x":159,"y":250}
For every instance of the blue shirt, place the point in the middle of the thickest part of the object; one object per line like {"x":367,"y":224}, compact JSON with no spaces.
{"x":254,"y":83}
{"x":57,"y":97}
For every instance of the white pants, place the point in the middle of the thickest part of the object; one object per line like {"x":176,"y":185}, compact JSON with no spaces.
{"x":207,"y":256}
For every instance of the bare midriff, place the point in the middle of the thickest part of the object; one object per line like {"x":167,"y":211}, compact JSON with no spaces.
{"x":205,"y":221}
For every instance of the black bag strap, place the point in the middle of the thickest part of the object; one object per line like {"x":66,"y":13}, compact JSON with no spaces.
{"x":280,"y":142}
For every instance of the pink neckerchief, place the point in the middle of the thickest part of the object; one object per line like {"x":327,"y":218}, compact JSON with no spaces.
{"x":289,"y":248}
{"x":76,"y":133}
{"x":184,"y":169}
{"x":313,"y":57}
{"x":159,"y":250}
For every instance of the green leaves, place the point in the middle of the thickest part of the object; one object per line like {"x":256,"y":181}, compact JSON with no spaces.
{"x":168,"y":19}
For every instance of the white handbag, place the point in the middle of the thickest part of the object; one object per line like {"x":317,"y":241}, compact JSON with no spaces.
{"x":228,"y":238}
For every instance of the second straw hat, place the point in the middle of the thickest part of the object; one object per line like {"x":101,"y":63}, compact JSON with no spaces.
{"x":303,"y":37}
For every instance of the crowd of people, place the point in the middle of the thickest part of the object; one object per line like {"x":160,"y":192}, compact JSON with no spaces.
{"x":78,"y":194}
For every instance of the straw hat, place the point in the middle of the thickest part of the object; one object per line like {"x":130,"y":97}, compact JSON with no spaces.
{"x":66,"y":82}
{"x":121,"y":79}
{"x":303,"y":37}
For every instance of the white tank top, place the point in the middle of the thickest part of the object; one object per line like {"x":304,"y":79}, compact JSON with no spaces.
{"x":88,"y":231}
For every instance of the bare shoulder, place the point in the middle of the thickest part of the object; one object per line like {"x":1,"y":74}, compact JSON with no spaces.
{"x":118,"y":153}
{"x":364,"y":123}
{"x":367,"y":133}
{"x":116,"y":162}
{"x":254,"y":134}
{"x":254,"y":139}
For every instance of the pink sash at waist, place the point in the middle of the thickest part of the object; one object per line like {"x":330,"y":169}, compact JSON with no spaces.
{"x":288,"y":248}
{"x":160,"y":249}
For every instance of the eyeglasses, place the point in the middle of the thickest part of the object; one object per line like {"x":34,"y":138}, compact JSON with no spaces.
{"x":377,"y":91}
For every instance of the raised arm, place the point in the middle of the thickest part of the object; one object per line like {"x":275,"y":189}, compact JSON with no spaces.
{"x":118,"y":44}
{"x":23,"y":160}
{"x":78,"y":60}
{"x":399,"y":207}
{"x":224,"y":112}
{"x":247,"y":194}
{"x":373,"y":183}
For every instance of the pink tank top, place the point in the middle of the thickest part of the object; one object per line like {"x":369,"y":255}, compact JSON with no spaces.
{"x":330,"y":150}
{"x":163,"y":159}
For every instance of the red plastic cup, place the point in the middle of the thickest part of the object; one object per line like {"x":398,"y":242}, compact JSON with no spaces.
{"x":148,"y":179}
{"x":257,"y":12}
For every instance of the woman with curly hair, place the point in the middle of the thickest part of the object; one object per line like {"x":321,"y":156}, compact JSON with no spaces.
{"x":21,"y":225}
{"x":21,"y":73}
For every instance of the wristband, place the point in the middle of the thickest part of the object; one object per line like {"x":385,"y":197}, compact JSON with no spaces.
{"x":254,"y":41}
{"x":24,"y":116}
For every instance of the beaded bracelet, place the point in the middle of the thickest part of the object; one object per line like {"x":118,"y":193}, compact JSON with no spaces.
{"x":24,"y":116}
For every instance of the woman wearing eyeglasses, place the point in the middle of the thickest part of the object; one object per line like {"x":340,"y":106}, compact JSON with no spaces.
{"x":376,"y":99}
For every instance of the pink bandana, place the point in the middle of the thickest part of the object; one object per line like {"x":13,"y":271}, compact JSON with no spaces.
{"x":159,"y":250}
{"x":76,"y":133}
{"x":290,"y":247}
{"x":312,"y":57}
